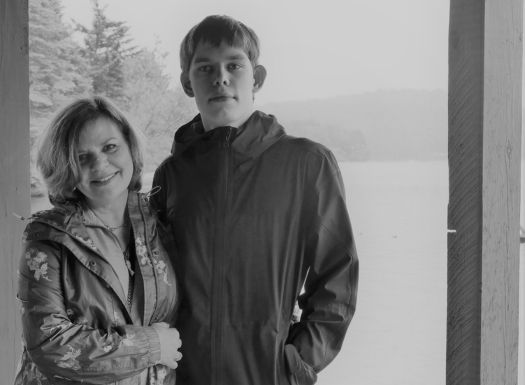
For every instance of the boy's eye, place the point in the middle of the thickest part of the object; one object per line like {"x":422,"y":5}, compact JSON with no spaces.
{"x":234,"y":66}
{"x":204,"y":68}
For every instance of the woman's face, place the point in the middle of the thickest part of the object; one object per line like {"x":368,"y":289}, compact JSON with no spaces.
{"x":106,"y":166}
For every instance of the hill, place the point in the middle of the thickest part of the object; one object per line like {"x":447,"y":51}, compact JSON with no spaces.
{"x":381,"y":125}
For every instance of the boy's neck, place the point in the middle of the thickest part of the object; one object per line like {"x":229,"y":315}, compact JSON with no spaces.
{"x":211,"y":124}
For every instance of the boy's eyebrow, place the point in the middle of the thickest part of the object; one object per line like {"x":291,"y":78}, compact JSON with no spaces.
{"x":204,"y":59}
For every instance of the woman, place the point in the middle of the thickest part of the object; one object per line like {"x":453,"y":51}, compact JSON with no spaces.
{"x":96,"y":287}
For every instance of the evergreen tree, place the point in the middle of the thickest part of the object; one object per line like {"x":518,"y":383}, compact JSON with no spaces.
{"x":55,"y":67}
{"x":107,"y":44}
{"x":153,"y":106}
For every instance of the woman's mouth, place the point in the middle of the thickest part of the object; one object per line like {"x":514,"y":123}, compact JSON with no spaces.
{"x":105,"y":180}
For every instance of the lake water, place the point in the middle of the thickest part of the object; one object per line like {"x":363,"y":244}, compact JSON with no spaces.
{"x":398,"y":334}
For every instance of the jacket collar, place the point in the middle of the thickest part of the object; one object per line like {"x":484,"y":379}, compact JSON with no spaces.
{"x":250,"y":139}
{"x":67,"y":218}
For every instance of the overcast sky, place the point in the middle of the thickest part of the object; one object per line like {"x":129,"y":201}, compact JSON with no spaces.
{"x":311,"y":48}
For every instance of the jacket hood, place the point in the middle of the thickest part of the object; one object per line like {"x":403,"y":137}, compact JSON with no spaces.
{"x":250,"y":139}
{"x":59,"y":219}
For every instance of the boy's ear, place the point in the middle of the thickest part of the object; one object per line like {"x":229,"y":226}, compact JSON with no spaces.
{"x":259,"y":74}
{"x":186,"y":84}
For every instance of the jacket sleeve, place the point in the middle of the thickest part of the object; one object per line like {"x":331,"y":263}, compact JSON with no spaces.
{"x":61,"y":348}
{"x":330,"y":290}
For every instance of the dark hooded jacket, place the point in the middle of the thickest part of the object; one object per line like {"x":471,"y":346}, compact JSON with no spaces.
{"x":256,"y":214}
{"x":77,"y":327}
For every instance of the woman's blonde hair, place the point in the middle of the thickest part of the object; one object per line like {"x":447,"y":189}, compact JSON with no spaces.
{"x":57,"y":157}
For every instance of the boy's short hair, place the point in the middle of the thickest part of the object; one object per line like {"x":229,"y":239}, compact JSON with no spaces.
{"x":57,"y":157}
{"x":215,"y":30}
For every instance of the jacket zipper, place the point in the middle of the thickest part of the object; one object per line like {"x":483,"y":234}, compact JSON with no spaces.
{"x":219,"y":261}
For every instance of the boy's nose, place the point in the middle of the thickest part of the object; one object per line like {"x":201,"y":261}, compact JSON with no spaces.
{"x":221,"y":78}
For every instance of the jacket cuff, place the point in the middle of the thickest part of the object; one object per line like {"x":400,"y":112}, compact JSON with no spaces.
{"x":300,"y":372}
{"x":154,"y":344}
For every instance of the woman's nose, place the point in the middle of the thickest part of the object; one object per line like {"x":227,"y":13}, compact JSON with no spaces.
{"x":98,"y":161}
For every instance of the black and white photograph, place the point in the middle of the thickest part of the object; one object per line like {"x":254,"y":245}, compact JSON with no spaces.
{"x":239,"y":192}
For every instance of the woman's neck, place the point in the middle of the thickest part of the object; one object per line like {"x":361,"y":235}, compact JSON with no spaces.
{"x":110,"y":213}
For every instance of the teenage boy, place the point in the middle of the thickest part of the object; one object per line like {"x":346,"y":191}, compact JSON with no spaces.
{"x":255,"y":215}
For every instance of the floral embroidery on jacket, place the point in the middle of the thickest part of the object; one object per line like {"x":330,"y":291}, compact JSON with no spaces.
{"x":37,"y":262}
{"x":160,"y":266}
{"x":142,"y":251}
{"x":69,"y":361}
{"x":162,"y":269}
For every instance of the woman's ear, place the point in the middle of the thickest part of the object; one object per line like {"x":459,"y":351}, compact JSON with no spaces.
{"x":186,"y":84}
{"x":259,"y":74}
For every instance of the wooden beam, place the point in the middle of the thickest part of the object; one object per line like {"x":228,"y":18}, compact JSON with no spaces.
{"x":14,"y":171}
{"x":485,"y":64}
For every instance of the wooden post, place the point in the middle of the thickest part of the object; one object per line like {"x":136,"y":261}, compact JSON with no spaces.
{"x":485,"y":59}
{"x":521,"y":350}
{"x":14,"y":171}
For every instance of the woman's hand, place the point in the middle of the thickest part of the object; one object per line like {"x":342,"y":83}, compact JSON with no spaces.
{"x":169,"y":344}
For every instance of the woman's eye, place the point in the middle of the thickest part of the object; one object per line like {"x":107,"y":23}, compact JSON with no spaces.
{"x":83,"y":158}
{"x":110,"y":147}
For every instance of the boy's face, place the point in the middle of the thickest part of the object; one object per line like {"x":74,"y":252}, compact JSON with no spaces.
{"x":223,"y":81}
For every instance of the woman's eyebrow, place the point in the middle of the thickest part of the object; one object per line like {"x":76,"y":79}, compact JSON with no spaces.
{"x":104,"y":142}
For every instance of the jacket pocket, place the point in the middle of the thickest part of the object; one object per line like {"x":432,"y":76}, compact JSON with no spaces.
{"x":299,"y":372}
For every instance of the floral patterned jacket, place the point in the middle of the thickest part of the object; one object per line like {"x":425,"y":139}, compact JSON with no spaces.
{"x":76,"y":326}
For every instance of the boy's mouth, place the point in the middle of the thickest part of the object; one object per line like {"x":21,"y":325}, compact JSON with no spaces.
{"x":221,"y":98}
